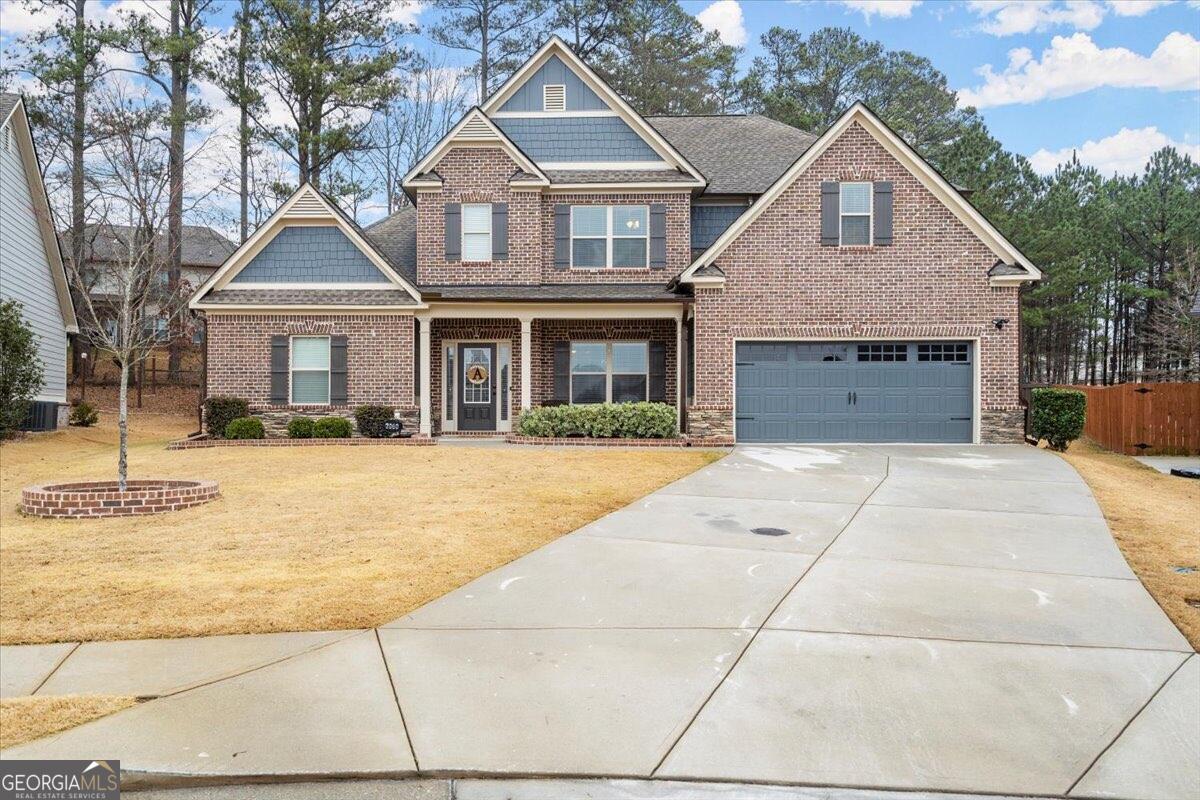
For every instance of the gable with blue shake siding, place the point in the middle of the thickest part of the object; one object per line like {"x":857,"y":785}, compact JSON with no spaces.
{"x":310,"y":254}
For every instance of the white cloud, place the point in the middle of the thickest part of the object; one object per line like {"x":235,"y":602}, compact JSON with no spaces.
{"x":724,"y":17}
{"x":1006,"y":17}
{"x":888,"y":9}
{"x":1125,"y":152}
{"x":1074,"y":64}
{"x":405,"y":12}
{"x":1135,"y":8}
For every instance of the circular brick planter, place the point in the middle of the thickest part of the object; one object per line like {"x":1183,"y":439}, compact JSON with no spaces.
{"x":91,"y":499}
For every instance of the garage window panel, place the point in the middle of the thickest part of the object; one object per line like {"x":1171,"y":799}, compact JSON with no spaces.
{"x":883,"y":352}
{"x":943,"y":351}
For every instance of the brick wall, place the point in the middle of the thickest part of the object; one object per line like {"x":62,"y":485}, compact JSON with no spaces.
{"x":782,"y":283}
{"x":480,"y":175}
{"x":379,"y":354}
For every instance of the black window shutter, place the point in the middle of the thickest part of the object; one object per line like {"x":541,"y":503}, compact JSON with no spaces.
{"x":453,"y":232}
{"x":499,"y":231}
{"x":279,"y":370}
{"x":337,"y":370}
{"x":883,"y":212}
{"x":658,"y":236}
{"x":830,"y":208}
{"x":562,"y":236}
{"x":658,"y":372}
{"x":562,"y":372}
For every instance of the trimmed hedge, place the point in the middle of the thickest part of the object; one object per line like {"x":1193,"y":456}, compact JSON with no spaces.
{"x":245,"y":428}
{"x":601,"y":421}
{"x":300,"y":428}
{"x":332,"y":428}
{"x":1058,"y":416}
{"x":83,"y":415}
{"x":370,"y":419}
{"x":220,"y":411}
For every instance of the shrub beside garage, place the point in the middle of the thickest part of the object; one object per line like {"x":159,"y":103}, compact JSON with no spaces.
{"x":1058,"y":416}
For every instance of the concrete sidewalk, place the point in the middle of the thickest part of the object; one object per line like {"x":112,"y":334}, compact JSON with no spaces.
{"x":893,"y":617}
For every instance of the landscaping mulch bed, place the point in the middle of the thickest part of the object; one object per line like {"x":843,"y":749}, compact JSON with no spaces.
{"x":92,"y":499}
{"x":198,"y":442}
{"x":583,"y":441}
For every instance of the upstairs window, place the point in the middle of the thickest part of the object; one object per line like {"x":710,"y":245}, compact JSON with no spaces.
{"x":610,"y":236}
{"x":855,"y":213}
{"x":554,"y":97}
{"x":477,"y":232}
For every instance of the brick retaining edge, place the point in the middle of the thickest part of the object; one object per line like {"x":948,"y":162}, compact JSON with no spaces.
{"x":583,"y":441}
{"x":357,"y":441}
{"x":92,"y":499}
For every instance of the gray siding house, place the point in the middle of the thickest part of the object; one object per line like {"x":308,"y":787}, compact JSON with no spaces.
{"x":31,"y":266}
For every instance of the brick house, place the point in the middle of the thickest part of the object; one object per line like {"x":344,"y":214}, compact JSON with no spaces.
{"x":772,"y":284}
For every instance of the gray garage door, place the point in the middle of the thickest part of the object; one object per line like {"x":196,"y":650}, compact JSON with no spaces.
{"x":854,"y":391}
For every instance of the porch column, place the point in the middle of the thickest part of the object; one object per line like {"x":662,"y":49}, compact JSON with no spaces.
{"x":680,"y":367}
{"x":426,"y":389}
{"x":526,"y":363}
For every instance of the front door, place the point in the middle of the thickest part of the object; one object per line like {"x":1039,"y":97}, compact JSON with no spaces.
{"x":477,"y":377}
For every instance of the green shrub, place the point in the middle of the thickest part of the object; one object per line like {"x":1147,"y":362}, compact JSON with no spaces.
{"x":370,"y":419}
{"x":84,"y":415}
{"x":1058,"y":416}
{"x":332,"y":428}
{"x":220,"y":411}
{"x":245,"y":428}
{"x":601,"y":421}
{"x":300,"y":427}
{"x":21,"y":370}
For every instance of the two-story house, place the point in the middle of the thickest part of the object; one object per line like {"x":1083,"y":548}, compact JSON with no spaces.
{"x":773,"y":285}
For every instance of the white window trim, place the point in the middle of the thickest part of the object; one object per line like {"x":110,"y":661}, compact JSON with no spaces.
{"x":462,"y":234}
{"x":608,"y":368}
{"x":609,"y":236}
{"x":328,"y":370}
{"x":870,"y":215}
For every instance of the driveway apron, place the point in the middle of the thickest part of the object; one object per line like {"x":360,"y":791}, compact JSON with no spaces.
{"x":941,"y":618}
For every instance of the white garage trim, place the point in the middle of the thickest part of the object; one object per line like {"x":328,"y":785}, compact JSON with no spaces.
{"x":976,"y":370}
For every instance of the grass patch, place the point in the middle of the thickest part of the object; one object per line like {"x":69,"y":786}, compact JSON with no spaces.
{"x":23,"y":719}
{"x":1153,"y":519}
{"x":301,"y":539}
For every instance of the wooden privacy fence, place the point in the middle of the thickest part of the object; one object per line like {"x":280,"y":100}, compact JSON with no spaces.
{"x":1144,"y":418}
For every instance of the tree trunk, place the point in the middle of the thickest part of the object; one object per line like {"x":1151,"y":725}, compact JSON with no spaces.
{"x":243,"y":121}
{"x":484,"y":45}
{"x":123,"y":426}
{"x":77,"y":131}
{"x":180,"y":64}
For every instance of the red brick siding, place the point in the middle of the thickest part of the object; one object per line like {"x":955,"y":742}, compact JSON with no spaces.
{"x":548,"y":331}
{"x":379,"y":353}
{"x":780,"y":281}
{"x":480,"y":175}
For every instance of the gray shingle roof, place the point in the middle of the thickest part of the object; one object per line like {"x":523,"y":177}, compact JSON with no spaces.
{"x":8,"y":102}
{"x":202,"y":246}
{"x":738,"y":154}
{"x":601,"y":292}
{"x":395,"y":238}
{"x":334,"y":297}
{"x":616,"y":175}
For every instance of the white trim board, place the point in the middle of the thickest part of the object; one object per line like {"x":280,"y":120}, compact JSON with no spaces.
{"x":306,"y":207}
{"x":908,"y":158}
{"x":555,"y":46}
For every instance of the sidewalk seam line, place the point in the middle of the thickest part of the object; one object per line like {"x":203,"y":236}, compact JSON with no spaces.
{"x":396,"y":696}
{"x":55,"y":669}
{"x":763,"y":624}
{"x":1125,"y":727}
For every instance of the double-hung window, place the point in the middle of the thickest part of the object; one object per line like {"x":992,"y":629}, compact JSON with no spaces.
{"x":855,"y":213}
{"x":310,"y":370}
{"x":609,"y":372}
{"x":477,"y":232}
{"x":610,"y":236}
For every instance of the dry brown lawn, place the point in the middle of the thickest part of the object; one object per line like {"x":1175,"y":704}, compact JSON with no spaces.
{"x":23,"y":719}
{"x":1155,"y":519}
{"x":302,"y":538}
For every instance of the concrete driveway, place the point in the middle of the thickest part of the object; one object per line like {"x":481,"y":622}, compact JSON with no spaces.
{"x":944,"y":618}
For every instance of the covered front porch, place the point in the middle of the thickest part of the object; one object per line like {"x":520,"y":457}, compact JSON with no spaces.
{"x":484,"y":364}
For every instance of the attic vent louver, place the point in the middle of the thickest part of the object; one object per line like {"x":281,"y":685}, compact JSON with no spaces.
{"x":554,"y":97}
{"x":476,"y":129}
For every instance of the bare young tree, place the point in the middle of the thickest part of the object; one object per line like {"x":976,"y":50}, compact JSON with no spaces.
{"x":1173,"y":333}
{"x":432,"y":99}
{"x":127,"y":301}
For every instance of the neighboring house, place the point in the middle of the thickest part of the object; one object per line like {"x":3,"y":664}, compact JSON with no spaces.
{"x":203,"y":250}
{"x":31,"y":267}
{"x":774,"y":285}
